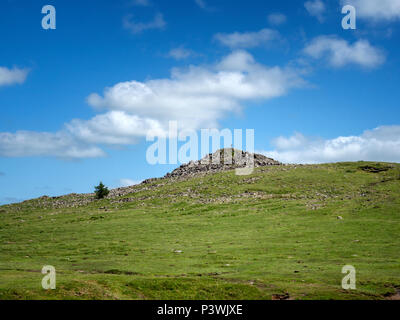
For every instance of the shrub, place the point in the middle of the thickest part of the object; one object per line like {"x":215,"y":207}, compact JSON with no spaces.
{"x":101,"y":191}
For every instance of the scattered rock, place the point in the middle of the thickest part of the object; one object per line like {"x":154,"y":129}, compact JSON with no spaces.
{"x":377,"y":168}
{"x":284,"y":296}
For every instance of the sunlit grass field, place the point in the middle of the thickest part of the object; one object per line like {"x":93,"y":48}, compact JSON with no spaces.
{"x":284,"y":230}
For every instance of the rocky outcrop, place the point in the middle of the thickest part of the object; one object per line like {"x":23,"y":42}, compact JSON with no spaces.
{"x":222,"y":160}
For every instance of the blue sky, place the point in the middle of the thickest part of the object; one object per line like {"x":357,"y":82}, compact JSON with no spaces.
{"x":312,"y":91}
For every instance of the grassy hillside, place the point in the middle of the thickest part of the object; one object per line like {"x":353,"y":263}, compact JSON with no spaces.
{"x":283,"y":229}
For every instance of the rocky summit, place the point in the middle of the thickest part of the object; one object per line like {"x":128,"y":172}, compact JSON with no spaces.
{"x":222,"y":160}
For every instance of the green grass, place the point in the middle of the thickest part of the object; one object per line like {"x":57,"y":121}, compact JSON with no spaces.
{"x":241,"y":237}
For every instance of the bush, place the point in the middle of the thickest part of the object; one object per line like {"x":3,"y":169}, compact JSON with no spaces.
{"x":101,"y":191}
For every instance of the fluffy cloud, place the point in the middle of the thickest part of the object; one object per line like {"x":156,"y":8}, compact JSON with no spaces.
{"x":114,"y":128}
{"x":379,"y":144}
{"x":376,"y":10}
{"x":339,"y":52}
{"x":247,"y":39}
{"x":211,"y":91}
{"x":138,"y":27}
{"x":276,"y":19}
{"x":316,"y":8}
{"x":60,"y":144}
{"x":195,"y":97}
{"x":12,"y":76}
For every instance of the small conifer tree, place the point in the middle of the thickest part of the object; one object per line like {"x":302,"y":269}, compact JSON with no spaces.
{"x":101,"y":191}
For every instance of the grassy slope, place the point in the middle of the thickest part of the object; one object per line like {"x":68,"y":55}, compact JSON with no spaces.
{"x":250,"y":237}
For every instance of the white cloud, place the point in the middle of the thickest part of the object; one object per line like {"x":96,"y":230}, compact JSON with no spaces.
{"x":376,"y":9}
{"x":316,"y":8}
{"x":180,"y":53}
{"x":211,"y":91}
{"x":31,"y":144}
{"x":276,"y":19}
{"x":339,"y":52}
{"x":114,"y":128}
{"x":196,"y":97}
{"x":128,"y":182}
{"x":12,"y":76}
{"x":247,"y":39}
{"x":138,"y":27}
{"x":379,"y":144}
